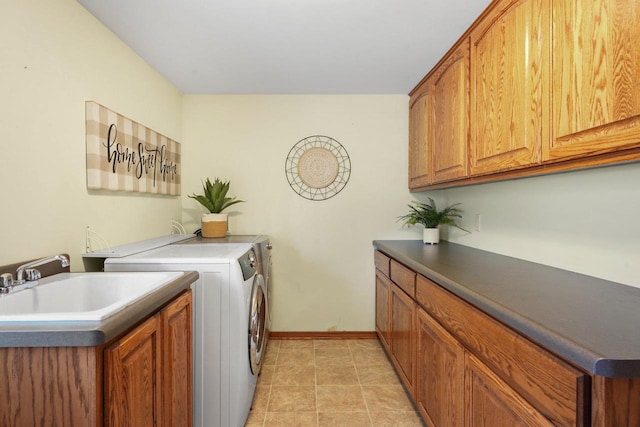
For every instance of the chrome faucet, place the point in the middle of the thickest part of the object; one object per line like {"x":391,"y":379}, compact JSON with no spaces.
{"x":30,"y":268}
{"x":8,"y":285}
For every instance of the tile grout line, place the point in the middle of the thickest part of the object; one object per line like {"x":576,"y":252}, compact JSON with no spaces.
{"x":366,"y":404}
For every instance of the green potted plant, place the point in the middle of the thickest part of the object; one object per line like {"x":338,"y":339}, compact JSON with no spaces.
{"x":431,"y":218}
{"x":215,"y":200}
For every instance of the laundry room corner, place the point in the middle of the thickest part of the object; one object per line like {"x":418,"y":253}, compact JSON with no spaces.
{"x":322,"y":258}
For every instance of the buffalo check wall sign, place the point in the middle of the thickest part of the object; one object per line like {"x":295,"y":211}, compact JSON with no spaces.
{"x":123,"y":155}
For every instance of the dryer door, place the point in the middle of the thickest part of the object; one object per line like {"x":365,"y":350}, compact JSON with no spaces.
{"x":257,"y":323}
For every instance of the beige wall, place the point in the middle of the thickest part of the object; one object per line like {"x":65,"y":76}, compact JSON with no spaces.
{"x":323,"y":258}
{"x":584,"y":221}
{"x":54,"y":55}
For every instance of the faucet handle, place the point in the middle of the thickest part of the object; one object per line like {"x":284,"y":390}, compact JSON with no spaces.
{"x":6,"y":280}
{"x":32,"y":274}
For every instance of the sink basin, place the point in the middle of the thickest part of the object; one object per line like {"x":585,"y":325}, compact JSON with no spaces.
{"x":81,"y":296}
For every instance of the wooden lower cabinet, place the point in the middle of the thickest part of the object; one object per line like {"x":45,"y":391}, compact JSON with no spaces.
{"x":403,"y":337}
{"x":440,"y":374}
{"x":383,"y":293}
{"x":177,"y":372}
{"x":395,"y":326}
{"x":463,"y":368}
{"x":142,"y":379}
{"x":132,"y":371}
{"x":490,"y":402}
{"x":148,"y":372}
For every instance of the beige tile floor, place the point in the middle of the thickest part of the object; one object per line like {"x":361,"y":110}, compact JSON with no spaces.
{"x":330,"y":383}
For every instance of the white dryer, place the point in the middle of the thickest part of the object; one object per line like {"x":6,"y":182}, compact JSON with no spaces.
{"x":262,"y":246}
{"x":229,"y":323}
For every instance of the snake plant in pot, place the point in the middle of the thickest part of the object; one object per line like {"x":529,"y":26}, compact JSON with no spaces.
{"x":215,"y":200}
{"x":431,"y":218}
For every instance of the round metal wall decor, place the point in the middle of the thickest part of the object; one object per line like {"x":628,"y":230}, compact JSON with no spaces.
{"x":318,"y":167}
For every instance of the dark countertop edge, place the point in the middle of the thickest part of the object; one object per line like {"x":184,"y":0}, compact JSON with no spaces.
{"x":561,"y":345}
{"x":88,"y":334}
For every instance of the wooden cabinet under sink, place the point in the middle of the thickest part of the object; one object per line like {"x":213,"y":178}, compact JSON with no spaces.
{"x":142,"y":378}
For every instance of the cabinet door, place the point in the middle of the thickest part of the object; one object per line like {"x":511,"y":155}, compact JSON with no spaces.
{"x":403,"y":336}
{"x":440,"y":374}
{"x":449,"y":133}
{"x":490,"y":402}
{"x":177,"y":367}
{"x":418,"y":144}
{"x":132,"y":378}
{"x":596,"y":76}
{"x":509,"y":90}
{"x":383,"y":292}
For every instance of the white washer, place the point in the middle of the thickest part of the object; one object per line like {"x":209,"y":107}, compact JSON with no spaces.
{"x":262,"y":247}
{"x":229,"y":323}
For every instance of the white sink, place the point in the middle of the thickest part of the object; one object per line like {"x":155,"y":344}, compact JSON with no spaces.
{"x":80,"y":296}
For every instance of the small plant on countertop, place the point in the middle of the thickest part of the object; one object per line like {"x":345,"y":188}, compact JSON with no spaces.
{"x":428,"y":215}
{"x":215,"y":198}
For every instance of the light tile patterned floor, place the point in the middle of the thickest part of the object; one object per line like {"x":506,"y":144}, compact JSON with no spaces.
{"x":330,"y":383}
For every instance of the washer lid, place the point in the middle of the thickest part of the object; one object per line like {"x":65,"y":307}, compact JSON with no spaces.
{"x":187,"y":254}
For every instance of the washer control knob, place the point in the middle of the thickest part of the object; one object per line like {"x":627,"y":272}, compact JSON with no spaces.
{"x":252,"y":261}
{"x":269,"y":246}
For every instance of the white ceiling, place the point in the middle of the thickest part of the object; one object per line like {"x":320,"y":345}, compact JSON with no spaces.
{"x":289,"y":46}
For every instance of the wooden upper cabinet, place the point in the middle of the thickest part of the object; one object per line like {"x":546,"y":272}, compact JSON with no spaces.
{"x":510,"y":86}
{"x":418,"y":145}
{"x":596,"y":77}
{"x":449,"y":132}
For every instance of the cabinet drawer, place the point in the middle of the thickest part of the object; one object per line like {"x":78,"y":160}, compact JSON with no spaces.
{"x":555,"y":388}
{"x":403,"y":277}
{"x":382,"y":262}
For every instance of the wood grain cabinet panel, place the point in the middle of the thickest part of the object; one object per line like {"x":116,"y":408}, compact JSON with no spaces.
{"x":440,"y":374}
{"x":490,"y":402}
{"x":404,"y":277}
{"x":553,"y":387}
{"x":596,"y":77}
{"x":449,"y":132}
{"x":419,"y":156}
{"x":381,"y":262}
{"x":177,"y":368}
{"x":403,"y":336}
{"x":396,"y":321}
{"x":133,"y":392}
{"x":509,"y":86}
{"x":383,"y":301}
{"x":50,"y":386}
{"x":552,"y":86}
{"x":149,"y":372}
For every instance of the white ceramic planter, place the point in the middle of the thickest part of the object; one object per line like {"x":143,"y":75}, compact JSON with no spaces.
{"x":214,"y":225}
{"x":431,"y":236}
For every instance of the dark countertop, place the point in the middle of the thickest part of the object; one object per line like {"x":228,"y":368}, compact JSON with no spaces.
{"x":91,"y":333}
{"x":591,"y":322}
